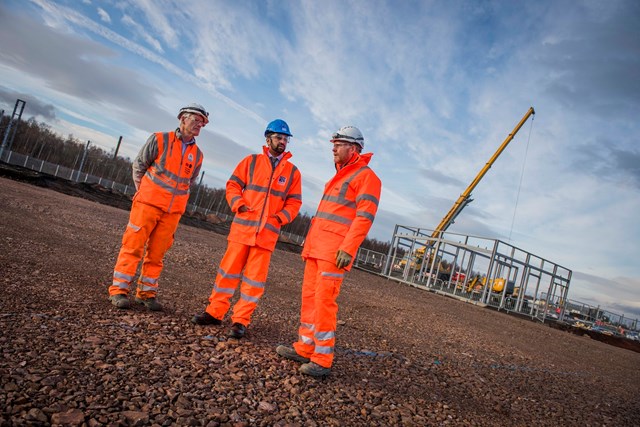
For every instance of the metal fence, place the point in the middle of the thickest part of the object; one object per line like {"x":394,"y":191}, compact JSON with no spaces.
{"x":58,"y":171}
{"x":369,"y":260}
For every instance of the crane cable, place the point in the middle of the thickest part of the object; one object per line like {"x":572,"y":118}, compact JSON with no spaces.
{"x":524,"y":161}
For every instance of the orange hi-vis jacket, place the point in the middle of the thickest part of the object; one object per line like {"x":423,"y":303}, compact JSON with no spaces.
{"x":268,"y":193}
{"x":346,"y":212}
{"x":166,"y":183}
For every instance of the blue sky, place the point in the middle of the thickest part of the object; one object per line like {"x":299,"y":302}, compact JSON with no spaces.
{"x":434,"y":86}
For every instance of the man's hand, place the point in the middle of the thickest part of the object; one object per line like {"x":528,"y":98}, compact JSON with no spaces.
{"x":343,"y":259}
{"x":243,"y":209}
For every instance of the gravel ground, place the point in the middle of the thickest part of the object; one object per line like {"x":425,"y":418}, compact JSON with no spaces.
{"x":404,"y":356}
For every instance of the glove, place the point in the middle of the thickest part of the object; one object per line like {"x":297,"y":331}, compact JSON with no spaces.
{"x":343,"y":259}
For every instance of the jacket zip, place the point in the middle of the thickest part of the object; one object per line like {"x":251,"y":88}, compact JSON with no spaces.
{"x":266,"y":197}
{"x":173,"y":193}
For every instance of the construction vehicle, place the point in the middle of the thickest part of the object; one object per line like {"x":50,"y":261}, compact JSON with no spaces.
{"x":465,"y":197}
{"x":477,"y":283}
{"x":458,"y":277}
{"x":498,"y":285}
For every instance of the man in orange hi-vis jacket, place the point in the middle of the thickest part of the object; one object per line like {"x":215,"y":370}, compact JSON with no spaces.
{"x":265,"y":192}
{"x":163,"y":172}
{"x":345,"y":215}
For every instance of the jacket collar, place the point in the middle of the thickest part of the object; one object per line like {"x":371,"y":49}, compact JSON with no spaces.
{"x":281,"y":157}
{"x":363,"y":159}
{"x":179,"y":136}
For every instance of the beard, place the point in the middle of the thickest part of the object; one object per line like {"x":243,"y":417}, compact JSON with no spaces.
{"x":277,"y":148}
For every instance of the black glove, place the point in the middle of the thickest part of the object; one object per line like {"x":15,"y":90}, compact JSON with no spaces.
{"x":343,"y":259}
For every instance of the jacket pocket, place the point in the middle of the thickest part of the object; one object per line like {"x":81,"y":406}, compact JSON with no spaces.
{"x":333,"y":227}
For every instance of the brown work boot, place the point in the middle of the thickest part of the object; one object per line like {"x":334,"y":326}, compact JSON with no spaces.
{"x":151,"y":303}
{"x":291,"y":354}
{"x":315,"y":370}
{"x":120,"y":301}
{"x":205,"y":318}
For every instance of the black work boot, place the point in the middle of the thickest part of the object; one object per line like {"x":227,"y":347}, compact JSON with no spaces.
{"x":205,"y":318}
{"x":151,"y":303}
{"x":237,"y":330}
{"x":315,"y":370}
{"x":120,"y":300}
{"x":291,"y":354}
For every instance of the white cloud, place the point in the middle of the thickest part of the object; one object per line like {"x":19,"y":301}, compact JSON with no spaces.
{"x":239,"y":45}
{"x":140,"y":32}
{"x":159,"y":19}
{"x":104,"y":16}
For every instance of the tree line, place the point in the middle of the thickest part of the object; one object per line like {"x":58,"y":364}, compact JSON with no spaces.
{"x":37,"y":140}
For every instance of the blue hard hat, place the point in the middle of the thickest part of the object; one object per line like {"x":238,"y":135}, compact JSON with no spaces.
{"x":278,"y":126}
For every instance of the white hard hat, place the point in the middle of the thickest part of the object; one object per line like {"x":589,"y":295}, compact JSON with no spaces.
{"x":195,"y":109}
{"x":349,"y":134}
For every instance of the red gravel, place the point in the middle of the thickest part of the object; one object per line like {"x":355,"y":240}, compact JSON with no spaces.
{"x":404,"y":356}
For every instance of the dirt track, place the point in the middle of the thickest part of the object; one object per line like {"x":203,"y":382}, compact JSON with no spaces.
{"x":404,"y":356}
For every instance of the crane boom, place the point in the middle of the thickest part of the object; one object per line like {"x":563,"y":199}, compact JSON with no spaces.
{"x":464,"y":199}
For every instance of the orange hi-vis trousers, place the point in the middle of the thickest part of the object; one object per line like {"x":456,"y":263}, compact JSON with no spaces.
{"x":254,"y":261}
{"x":149,"y":228}
{"x":319,"y":311}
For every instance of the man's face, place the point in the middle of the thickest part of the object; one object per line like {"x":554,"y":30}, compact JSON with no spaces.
{"x":277,"y":143}
{"x":342,"y":152}
{"x":191,"y":125}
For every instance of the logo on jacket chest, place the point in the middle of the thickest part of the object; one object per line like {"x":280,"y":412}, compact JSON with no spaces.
{"x":281,"y":180}
{"x":188,"y":166}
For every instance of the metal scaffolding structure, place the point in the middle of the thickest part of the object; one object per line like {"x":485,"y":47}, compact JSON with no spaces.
{"x":479,"y":270}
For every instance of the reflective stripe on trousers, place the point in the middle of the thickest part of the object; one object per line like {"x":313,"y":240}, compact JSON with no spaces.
{"x":148,"y":226}
{"x":319,"y":311}
{"x":248,"y":265}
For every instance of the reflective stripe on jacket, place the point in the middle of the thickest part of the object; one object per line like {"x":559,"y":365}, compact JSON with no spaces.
{"x":266,"y":192}
{"x":166,"y":182}
{"x":346,"y":212}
